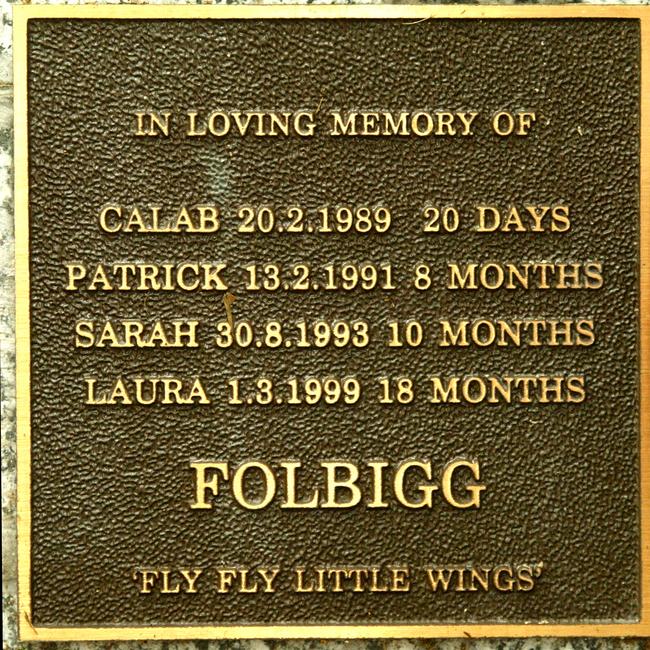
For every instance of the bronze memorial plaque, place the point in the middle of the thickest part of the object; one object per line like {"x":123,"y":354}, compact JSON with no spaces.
{"x":333,"y":321}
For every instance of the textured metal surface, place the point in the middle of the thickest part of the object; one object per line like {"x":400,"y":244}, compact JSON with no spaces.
{"x":110,"y":487}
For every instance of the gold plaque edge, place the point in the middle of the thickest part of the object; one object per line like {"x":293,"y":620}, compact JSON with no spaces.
{"x":27,"y":631}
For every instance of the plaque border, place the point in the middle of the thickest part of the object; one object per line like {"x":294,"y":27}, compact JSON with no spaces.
{"x":27,"y":631}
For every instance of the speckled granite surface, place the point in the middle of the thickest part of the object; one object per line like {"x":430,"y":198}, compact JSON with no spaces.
{"x":7,"y":395}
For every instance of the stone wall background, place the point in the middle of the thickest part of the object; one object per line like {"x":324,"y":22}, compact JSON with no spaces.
{"x":8,"y":412}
